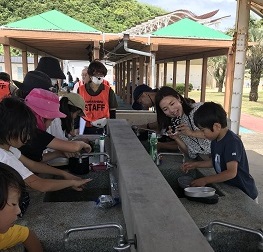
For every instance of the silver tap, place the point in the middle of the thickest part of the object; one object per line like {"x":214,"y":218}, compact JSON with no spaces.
{"x":108,"y":160}
{"x":209,"y":229}
{"x":123,"y":243}
{"x":137,"y":130}
{"x":169,"y":154}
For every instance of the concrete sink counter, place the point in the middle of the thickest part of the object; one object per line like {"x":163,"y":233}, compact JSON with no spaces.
{"x":233,"y":207}
{"x":149,"y":208}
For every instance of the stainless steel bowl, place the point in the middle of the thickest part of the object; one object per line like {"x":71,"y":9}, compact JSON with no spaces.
{"x":202,"y":191}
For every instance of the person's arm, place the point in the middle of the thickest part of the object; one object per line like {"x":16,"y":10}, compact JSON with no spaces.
{"x":39,"y":167}
{"x":51,"y":155}
{"x":32,"y":243}
{"x":48,"y":185}
{"x":197,"y":164}
{"x":68,"y":146}
{"x":150,"y":126}
{"x":113,"y":104}
{"x":223,"y":176}
{"x":184,"y":129}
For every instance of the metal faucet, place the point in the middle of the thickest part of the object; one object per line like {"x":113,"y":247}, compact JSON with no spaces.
{"x":123,"y":243}
{"x":169,"y":154}
{"x":136,"y":130}
{"x":209,"y":228}
{"x":108,"y":160}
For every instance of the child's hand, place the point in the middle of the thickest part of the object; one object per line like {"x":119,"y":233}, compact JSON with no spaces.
{"x":184,"y":129}
{"x":87,"y":148}
{"x":171,"y":134}
{"x":78,"y":185}
{"x":199,"y":182}
{"x":71,"y":154}
{"x":188,"y":166}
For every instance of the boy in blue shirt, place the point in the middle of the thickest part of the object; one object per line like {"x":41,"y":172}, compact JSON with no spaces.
{"x":228,"y":154}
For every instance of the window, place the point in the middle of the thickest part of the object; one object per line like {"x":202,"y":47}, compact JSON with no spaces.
{"x":20,"y":73}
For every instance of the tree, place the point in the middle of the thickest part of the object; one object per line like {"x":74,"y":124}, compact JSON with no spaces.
{"x":219,"y":70}
{"x":254,"y":60}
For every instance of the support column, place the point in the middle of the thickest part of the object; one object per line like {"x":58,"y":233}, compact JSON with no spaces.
{"x":164,"y":74}
{"x":7,"y":59}
{"x":96,"y":50}
{"x":174,"y":73}
{"x":121,"y":81}
{"x":141,"y":69}
{"x":240,"y":59}
{"x":24,"y":63}
{"x":35,"y":60}
{"x":124,"y":86}
{"x":203,"y":79}
{"x":229,"y":81}
{"x":152,"y":66}
{"x":128,"y":100}
{"x":117,"y":78}
{"x":134,"y":74}
{"x":158,"y":76}
{"x":187,"y":74}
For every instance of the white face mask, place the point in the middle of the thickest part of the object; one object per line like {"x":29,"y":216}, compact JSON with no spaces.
{"x":97,"y":80}
{"x":54,"y":81}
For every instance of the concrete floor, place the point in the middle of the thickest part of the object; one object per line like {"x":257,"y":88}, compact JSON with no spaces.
{"x":253,"y":143}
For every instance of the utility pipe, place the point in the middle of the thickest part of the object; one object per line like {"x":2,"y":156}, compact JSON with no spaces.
{"x":152,"y":55}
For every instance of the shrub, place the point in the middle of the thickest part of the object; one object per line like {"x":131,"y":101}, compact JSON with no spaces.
{"x":180,"y":87}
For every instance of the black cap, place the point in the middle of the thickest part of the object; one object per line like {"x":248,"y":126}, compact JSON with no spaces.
{"x":51,"y":67}
{"x":137,"y":93}
{"x":34,"y":79}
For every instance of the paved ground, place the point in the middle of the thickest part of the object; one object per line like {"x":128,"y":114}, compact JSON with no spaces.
{"x":252,"y":138}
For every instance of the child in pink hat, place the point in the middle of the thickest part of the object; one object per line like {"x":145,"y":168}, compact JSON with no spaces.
{"x":45,"y":106}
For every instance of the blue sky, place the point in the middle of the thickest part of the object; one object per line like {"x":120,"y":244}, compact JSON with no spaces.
{"x":199,"y":7}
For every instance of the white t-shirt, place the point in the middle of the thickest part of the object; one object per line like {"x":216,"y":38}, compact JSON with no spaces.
{"x":11,"y":158}
{"x":55,"y":129}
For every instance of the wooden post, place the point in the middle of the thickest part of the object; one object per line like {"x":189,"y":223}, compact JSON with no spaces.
{"x":229,"y":81}
{"x":141,"y":69}
{"x":24,"y":63}
{"x":203,"y":79}
{"x":128,"y":82}
{"x":157,"y":75}
{"x":35,"y":60}
{"x":7,"y":58}
{"x":96,"y":50}
{"x":187,"y":74}
{"x":164,"y":74}
{"x":174,"y":73}
{"x":134,"y":74}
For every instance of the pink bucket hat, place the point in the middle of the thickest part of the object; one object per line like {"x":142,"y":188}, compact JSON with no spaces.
{"x":44,"y":103}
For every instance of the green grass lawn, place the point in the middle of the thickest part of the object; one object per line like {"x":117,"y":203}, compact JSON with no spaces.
{"x":248,"y":107}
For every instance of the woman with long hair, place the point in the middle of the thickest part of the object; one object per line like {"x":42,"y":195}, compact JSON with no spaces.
{"x":176,"y":113}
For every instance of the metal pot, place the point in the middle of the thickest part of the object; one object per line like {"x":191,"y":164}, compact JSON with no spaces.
{"x":202,"y":191}
{"x":79,"y":165}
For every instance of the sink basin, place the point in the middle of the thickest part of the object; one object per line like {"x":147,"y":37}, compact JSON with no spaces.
{"x":70,"y":195}
{"x":233,"y":240}
{"x":170,"y":167}
{"x":98,"y":186}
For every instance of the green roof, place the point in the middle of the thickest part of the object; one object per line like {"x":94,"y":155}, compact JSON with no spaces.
{"x":51,"y":21}
{"x":187,"y":28}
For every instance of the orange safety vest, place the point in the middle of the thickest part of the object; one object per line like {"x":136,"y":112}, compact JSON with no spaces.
{"x":4,"y":89}
{"x":105,"y":82}
{"x":96,"y":107}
